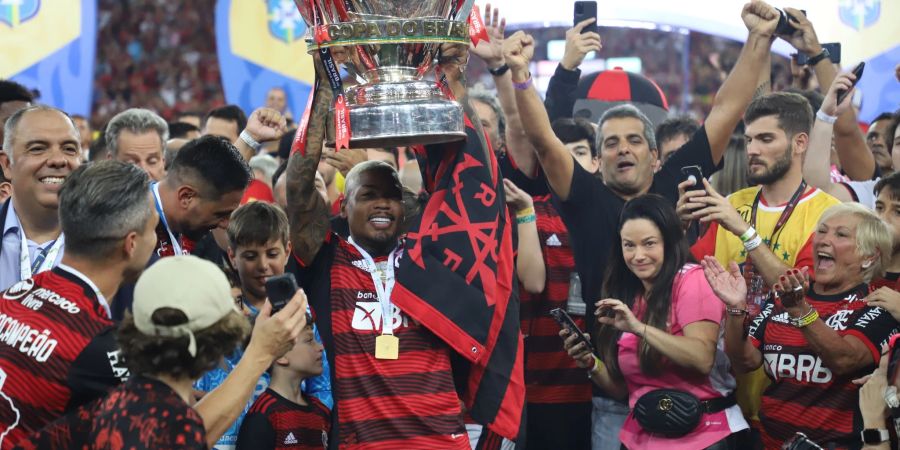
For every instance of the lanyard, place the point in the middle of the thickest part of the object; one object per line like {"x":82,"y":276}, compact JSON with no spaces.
{"x":44,"y":259}
{"x":785,"y":214}
{"x":176,"y":243}
{"x":384,"y":284}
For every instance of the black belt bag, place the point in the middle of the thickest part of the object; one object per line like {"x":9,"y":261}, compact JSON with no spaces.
{"x":673,"y":413}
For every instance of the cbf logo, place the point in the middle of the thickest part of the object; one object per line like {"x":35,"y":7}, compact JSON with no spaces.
{"x":859,"y":14}
{"x":16,"y":12}
{"x":285,"y":21}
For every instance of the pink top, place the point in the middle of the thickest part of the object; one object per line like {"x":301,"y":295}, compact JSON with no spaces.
{"x":692,"y":301}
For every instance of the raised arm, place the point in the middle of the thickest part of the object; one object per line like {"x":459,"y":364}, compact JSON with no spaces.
{"x":264,"y":125}
{"x":730,"y":287}
{"x":560,"y":100}
{"x":816,"y":164}
{"x":734,"y":96}
{"x":857,"y":161}
{"x":530,"y":267}
{"x":306,"y":210}
{"x":491,"y":53}
{"x":552,"y":155}
{"x":273,"y":336}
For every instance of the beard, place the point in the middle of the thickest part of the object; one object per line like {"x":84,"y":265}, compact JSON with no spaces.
{"x":774,"y":173}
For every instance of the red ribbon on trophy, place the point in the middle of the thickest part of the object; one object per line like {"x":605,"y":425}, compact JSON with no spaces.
{"x":300,"y":138}
{"x":477,"y":30}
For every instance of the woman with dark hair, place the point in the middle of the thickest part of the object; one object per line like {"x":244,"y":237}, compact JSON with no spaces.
{"x":658,"y":337}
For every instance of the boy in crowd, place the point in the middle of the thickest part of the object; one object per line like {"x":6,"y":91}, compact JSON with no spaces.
{"x":282,"y":417}
{"x":258,"y":248}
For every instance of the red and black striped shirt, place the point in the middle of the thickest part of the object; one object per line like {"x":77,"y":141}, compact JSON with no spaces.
{"x":890,"y":279}
{"x":805,"y":395}
{"x":57,"y":351}
{"x":551,"y":375}
{"x":274,"y":422}
{"x":410,"y":402}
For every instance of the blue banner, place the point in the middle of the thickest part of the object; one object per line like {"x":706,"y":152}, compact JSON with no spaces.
{"x":260,"y":45}
{"x":49,"y":45}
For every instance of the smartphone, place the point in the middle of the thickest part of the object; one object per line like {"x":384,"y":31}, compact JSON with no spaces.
{"x":697,"y":174}
{"x":785,"y":27}
{"x":281,"y":289}
{"x":565,"y":321}
{"x":834,"y":54}
{"x":858,"y":71}
{"x":586,"y":10}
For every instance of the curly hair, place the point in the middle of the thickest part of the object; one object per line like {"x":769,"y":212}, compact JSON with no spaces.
{"x":156,"y":355}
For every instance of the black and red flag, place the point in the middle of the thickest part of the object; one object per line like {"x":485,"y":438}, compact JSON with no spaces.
{"x":456,"y":277}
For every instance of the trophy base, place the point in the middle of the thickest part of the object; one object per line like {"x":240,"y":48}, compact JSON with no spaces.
{"x":433,"y":119}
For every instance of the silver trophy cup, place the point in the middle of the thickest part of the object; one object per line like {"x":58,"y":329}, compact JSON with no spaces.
{"x":388,"y":47}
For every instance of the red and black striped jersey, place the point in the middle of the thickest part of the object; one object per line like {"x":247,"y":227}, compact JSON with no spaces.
{"x":274,"y":422}
{"x":805,"y":395}
{"x":57,"y":351}
{"x":551,"y":375}
{"x":410,"y":402}
{"x":890,"y":279}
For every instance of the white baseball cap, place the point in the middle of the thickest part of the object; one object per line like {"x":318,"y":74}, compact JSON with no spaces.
{"x":196,"y":287}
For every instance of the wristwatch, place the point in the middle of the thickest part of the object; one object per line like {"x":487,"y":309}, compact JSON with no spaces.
{"x":499,"y":71}
{"x":816,"y":59}
{"x":874,"y":436}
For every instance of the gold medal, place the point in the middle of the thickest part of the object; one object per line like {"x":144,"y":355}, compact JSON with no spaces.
{"x":387,"y":346}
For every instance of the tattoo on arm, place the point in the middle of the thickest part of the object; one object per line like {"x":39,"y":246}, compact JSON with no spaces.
{"x":306,"y":209}
{"x":764,"y":88}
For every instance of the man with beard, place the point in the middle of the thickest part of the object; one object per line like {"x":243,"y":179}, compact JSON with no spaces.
{"x":203,"y":186}
{"x":877,"y":139}
{"x":780,"y":211}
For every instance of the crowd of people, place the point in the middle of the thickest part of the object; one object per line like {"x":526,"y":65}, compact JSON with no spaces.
{"x":550,"y":282}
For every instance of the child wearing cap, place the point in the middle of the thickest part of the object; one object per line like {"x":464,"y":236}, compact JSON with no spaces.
{"x":184,"y":322}
{"x":282,"y":417}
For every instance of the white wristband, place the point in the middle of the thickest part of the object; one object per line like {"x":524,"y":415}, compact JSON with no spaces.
{"x":752,"y":244}
{"x":252,"y":143}
{"x":825,"y":117}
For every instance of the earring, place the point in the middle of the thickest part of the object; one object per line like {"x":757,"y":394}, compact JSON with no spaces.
{"x":866,"y":264}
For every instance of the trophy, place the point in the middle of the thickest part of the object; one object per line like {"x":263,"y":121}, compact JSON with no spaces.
{"x":387,"y":47}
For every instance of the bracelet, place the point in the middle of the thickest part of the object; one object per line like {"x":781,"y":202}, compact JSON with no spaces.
{"x":498,"y":72}
{"x":523,"y":85}
{"x":821,"y":115}
{"x":252,"y":143}
{"x":752,"y":244}
{"x":748,"y":234}
{"x":598,"y":365}
{"x":737,"y":311}
{"x":526,"y":219}
{"x":525,"y":212}
{"x":807,"y":318}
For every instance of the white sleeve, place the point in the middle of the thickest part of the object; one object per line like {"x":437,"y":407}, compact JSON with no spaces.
{"x":864,"y":191}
